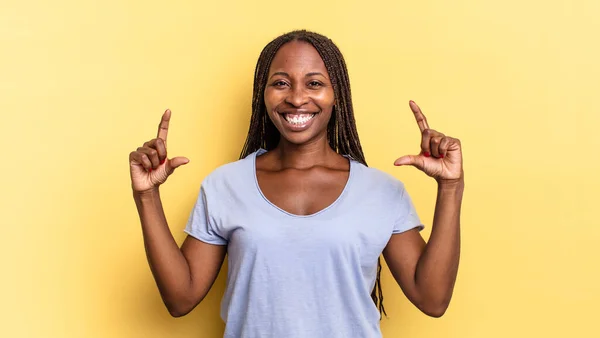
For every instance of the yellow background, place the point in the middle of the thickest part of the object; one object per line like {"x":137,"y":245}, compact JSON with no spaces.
{"x":83,"y":83}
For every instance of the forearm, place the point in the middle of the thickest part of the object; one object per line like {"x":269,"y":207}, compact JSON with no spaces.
{"x":167,"y":263}
{"x":438,"y":265}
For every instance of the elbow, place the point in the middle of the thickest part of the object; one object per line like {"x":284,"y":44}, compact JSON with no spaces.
{"x":435,"y":312}
{"x":180,"y":308}
{"x":434,"y":302}
{"x":435,"y":309}
{"x":176,"y":312}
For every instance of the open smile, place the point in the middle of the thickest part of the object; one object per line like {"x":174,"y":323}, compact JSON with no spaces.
{"x":298,"y":121}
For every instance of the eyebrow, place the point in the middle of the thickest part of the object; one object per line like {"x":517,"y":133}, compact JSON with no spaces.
{"x":288,"y":75}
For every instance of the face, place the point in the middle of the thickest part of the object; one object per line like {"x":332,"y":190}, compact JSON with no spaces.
{"x":299,"y":95}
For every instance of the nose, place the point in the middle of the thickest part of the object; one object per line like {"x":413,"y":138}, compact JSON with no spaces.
{"x":297,"y":97}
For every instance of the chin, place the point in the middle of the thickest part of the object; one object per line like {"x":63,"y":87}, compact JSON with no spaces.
{"x":301,"y":138}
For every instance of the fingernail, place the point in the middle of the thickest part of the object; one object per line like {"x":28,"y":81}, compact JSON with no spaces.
{"x":427,"y":154}
{"x":162,"y":162}
{"x":441,"y":155}
{"x":150,"y":170}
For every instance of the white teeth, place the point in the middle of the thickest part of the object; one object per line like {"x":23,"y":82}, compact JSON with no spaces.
{"x":298,"y":119}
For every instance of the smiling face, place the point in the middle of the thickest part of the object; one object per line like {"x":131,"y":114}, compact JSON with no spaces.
{"x":299,"y":96}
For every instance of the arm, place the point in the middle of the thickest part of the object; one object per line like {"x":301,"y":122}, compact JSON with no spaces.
{"x":427,"y":272}
{"x":183,"y":276}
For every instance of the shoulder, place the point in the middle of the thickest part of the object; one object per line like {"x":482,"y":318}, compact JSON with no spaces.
{"x":230,"y":174}
{"x":378,"y":180}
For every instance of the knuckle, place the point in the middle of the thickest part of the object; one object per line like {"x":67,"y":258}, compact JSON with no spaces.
{"x":160,"y":145}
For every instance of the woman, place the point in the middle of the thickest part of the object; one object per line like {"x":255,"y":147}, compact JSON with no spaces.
{"x":300,"y":215}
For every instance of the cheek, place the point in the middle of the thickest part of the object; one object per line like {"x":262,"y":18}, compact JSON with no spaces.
{"x":268,"y":99}
{"x":326,"y":100}
{"x":272,"y":99}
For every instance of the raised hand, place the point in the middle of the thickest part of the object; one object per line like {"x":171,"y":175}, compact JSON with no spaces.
{"x":149,"y":165}
{"x":441,"y":155}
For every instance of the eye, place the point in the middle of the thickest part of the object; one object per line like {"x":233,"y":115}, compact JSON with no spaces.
{"x":314,"y":84}
{"x":279,"y":84}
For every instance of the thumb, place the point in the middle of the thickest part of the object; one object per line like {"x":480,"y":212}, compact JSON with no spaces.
{"x":176,"y":162}
{"x":413,"y":160}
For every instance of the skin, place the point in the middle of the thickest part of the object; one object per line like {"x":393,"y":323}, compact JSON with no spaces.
{"x":303,"y":175}
{"x":183,"y":275}
{"x":426,"y":272}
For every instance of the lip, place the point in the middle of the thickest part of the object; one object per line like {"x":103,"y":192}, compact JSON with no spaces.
{"x":297,"y":127}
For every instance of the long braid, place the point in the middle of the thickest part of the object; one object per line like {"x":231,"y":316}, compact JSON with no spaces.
{"x":341,"y":130}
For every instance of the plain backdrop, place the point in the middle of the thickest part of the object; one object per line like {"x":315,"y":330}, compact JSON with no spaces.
{"x":83,"y":83}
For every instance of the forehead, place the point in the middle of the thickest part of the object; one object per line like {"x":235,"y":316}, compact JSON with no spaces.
{"x":297,"y":57}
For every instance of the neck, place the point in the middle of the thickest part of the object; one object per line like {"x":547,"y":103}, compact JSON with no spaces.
{"x":307,"y":155}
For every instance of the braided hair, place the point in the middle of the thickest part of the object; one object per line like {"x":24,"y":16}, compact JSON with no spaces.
{"x":341,"y":129}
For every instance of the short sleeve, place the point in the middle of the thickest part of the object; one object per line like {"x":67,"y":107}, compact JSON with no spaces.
{"x":406,"y":214}
{"x":201,"y":223}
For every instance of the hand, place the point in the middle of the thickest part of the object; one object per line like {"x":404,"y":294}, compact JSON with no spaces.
{"x":149,"y":165}
{"x":441,"y":155}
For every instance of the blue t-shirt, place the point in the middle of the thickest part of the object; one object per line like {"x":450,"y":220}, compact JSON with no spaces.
{"x":293,"y":276}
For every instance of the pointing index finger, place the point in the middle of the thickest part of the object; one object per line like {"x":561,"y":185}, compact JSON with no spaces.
{"x":163,"y":127}
{"x":421,"y":119}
